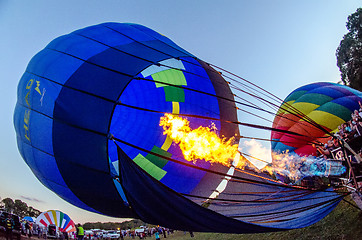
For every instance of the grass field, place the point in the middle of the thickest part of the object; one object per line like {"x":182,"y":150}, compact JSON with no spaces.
{"x":344,"y":222}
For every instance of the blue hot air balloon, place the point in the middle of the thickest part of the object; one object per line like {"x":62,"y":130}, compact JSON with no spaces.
{"x":87,"y":123}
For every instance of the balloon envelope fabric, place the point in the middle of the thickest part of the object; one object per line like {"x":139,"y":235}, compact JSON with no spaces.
{"x":87,"y":120}
{"x":114,"y":80}
{"x":326,"y":104}
{"x":58,"y":218}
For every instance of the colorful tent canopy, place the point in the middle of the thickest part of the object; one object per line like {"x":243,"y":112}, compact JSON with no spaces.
{"x":58,"y":218}
{"x":29,"y":219}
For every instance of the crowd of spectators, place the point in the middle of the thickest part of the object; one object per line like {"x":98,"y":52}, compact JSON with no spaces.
{"x":347,"y":131}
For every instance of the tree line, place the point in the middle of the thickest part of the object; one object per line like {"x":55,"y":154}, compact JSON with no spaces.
{"x":22,"y":209}
{"x":18,"y":207}
{"x":131,"y":224}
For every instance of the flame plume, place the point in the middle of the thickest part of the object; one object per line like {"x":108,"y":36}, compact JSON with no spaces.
{"x":297,"y":167}
{"x":201,"y":143}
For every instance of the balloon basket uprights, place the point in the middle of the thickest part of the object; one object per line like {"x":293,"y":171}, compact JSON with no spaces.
{"x":353,"y":182}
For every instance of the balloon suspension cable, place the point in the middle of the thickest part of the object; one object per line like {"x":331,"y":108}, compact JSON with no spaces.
{"x":251,"y":86}
{"x":285,"y":106}
{"x":258,"y":89}
{"x":272,"y":200}
{"x":94,"y":95}
{"x":271,"y":182}
{"x":295,"y":111}
{"x":217,"y":119}
{"x":255,"y":107}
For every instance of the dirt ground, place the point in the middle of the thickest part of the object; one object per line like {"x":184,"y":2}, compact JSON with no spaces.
{"x":3,"y":237}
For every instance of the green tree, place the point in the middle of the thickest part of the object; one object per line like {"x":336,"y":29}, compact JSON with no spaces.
{"x":8,"y":204}
{"x":32,"y":212}
{"x":349,"y":52}
{"x":20,"y":208}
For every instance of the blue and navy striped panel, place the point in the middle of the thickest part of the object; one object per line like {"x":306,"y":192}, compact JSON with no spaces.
{"x":161,"y":38}
{"x":129,"y":30}
{"x":48,"y":63}
{"x":33,"y":123}
{"x":77,"y":46}
{"x":45,"y":169}
{"x":103,"y":35}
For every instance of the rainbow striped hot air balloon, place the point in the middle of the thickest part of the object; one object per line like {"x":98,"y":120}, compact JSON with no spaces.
{"x":311,"y":111}
{"x":58,"y":218}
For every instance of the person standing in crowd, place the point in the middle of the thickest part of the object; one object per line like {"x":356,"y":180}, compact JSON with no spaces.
{"x":65,"y":234}
{"x":157,"y":235}
{"x":28,"y":229}
{"x":9,"y":223}
{"x":80,"y":232}
{"x":39,"y":231}
{"x":95,"y":236}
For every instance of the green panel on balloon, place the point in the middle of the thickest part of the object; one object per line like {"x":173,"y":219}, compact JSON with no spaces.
{"x":170,"y":76}
{"x":158,"y":161}
{"x":294,"y":96}
{"x":315,"y":98}
{"x":336,"y":109}
{"x":149,"y":167}
{"x":174,"y":94}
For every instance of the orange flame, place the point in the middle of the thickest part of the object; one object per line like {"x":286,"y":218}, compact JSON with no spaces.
{"x":201,"y":143}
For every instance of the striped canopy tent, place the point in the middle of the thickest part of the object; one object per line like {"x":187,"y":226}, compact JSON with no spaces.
{"x":58,"y":218}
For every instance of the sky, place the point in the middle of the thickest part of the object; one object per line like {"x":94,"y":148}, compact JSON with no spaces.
{"x":279,"y":45}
